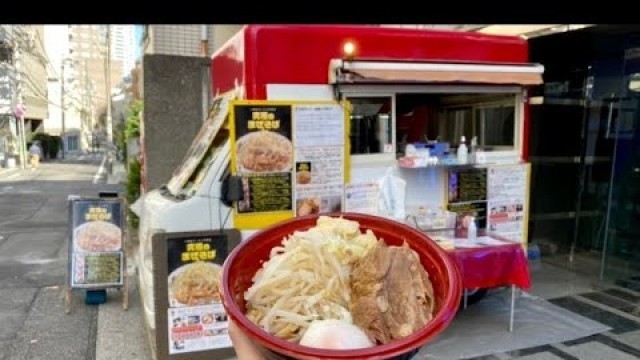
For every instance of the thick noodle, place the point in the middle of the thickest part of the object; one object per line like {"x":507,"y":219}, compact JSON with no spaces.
{"x":307,"y":279}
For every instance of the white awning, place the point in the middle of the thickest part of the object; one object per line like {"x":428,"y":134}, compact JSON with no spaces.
{"x":363,"y":72}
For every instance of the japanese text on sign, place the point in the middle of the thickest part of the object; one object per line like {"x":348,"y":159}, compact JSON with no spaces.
{"x":198,"y":251}
{"x":97,"y":213}
{"x":263,"y":120}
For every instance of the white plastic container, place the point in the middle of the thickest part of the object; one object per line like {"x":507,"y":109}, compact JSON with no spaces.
{"x":463,"y":151}
{"x":472,"y":231}
{"x":10,"y":162}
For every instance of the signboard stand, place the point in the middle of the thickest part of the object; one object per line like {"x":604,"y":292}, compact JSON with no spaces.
{"x":190,"y":321}
{"x":97,"y":247}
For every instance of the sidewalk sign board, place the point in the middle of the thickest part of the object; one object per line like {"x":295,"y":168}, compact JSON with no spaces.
{"x":96,"y":246}
{"x":191,"y":322}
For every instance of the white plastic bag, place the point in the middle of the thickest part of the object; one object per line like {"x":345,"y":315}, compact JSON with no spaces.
{"x":392,"y":196}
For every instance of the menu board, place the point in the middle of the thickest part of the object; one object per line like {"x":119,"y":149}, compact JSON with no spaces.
{"x":467,"y":194}
{"x":96,"y":249}
{"x":191,"y":322}
{"x":319,"y":158}
{"x":290,"y":157}
{"x":263,"y":156}
{"x":196,"y":318}
{"x":468,"y":185}
{"x":507,"y":190}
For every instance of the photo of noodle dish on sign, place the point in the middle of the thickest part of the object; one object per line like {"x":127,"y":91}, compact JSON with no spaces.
{"x":264,"y":151}
{"x":194,"y":284}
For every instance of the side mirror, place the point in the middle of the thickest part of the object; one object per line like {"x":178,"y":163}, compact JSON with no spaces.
{"x":231,"y":190}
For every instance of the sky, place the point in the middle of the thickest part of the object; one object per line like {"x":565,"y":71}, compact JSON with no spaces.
{"x":139,"y":30}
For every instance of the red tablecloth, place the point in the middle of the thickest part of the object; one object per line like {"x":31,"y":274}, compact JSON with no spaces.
{"x":493,"y":266}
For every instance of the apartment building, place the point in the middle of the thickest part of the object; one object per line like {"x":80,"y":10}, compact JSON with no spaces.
{"x":185,"y":40}
{"x":74,"y":125}
{"x":123,"y":47}
{"x":88,"y":70}
{"x":23,"y":80}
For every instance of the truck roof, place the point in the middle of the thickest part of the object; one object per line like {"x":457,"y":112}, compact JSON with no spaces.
{"x":300,"y":54}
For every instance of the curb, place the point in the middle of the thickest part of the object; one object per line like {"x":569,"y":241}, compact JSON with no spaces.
{"x":8,"y":172}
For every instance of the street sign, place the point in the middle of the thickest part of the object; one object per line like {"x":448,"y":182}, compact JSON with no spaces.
{"x":19,"y":111}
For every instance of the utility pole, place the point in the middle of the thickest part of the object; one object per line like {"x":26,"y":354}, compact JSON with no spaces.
{"x":205,"y":75}
{"x":62,"y":109}
{"x":19,"y":111}
{"x":108,"y":88}
{"x":88,"y":105}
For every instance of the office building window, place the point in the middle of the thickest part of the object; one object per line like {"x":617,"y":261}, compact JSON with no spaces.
{"x":72,"y":143}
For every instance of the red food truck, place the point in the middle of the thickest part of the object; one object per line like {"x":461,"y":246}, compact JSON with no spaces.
{"x":411,"y":98}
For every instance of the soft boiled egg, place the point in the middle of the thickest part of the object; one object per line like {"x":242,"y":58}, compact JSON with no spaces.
{"x":335,"y":335}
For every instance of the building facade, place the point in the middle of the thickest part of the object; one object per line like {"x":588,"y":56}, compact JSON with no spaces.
{"x":585,"y":145}
{"x":88,"y":70}
{"x":75,"y":124}
{"x":185,"y":40}
{"x":123,"y":47}
{"x":23,"y":81}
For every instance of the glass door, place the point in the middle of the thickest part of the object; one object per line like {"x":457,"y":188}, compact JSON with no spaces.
{"x":621,"y":242}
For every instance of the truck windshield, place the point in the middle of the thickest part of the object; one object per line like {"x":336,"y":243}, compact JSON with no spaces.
{"x":202,"y":145}
{"x":193,"y":183}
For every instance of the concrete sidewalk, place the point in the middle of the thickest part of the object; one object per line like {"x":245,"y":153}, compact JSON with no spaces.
{"x":118,"y":173}
{"x":121,"y":334}
{"x":9,"y":173}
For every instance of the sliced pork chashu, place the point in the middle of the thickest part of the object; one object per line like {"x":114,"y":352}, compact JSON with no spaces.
{"x":391,"y":294}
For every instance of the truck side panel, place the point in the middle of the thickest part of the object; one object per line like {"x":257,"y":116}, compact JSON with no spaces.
{"x":301,"y":54}
{"x":294,"y":54}
{"x":228,"y":65}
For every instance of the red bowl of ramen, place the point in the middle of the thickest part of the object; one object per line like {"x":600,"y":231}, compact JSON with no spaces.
{"x":246,"y":259}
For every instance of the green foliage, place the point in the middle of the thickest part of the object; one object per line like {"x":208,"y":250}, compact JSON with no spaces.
{"x":120,"y":140}
{"x":132,"y":127}
{"x":133,"y":189}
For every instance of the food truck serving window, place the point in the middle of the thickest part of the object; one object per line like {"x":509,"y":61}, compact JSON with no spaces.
{"x":427,"y":113}
{"x":371,"y":129}
{"x":490,"y":118}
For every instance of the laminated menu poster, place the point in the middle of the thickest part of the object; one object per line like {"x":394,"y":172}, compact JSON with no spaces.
{"x":507,"y":189}
{"x":467,"y":185}
{"x":96,"y":246}
{"x":362,"y":198}
{"x":196,"y":318}
{"x":319,"y":145}
{"x":467,"y":194}
{"x":263,"y":156}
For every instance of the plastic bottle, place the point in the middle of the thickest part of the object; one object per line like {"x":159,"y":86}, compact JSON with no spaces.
{"x":472,"y":231}
{"x":474,"y":147}
{"x":463,"y":152}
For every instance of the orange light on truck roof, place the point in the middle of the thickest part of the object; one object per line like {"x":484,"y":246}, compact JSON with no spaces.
{"x":349,"y":49}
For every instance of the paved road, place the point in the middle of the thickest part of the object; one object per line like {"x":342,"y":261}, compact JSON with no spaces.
{"x":33,"y":260}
